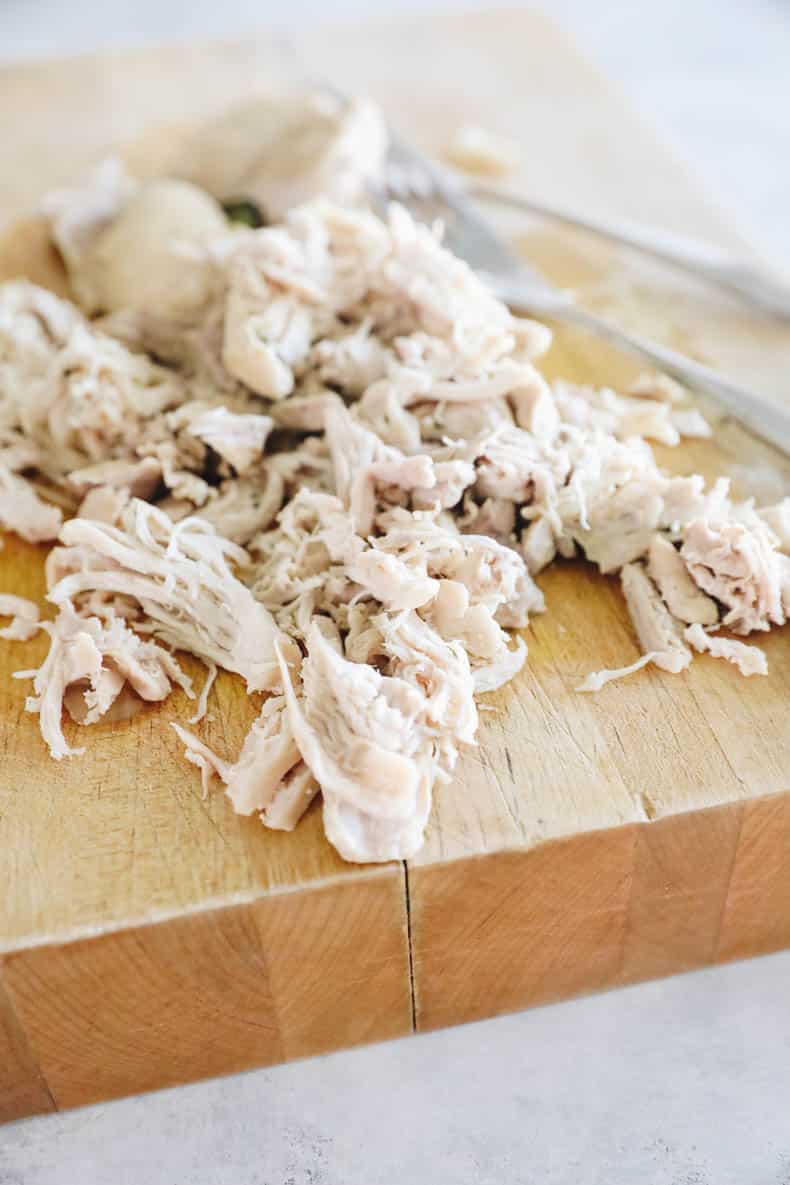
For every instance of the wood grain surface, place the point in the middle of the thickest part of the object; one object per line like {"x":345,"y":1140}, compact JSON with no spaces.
{"x":149,"y":936}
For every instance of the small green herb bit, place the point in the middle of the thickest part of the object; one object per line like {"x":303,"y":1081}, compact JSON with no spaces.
{"x":245,"y":211}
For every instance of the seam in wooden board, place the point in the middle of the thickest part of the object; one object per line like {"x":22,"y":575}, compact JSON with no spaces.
{"x":410,"y":945}
{"x":89,"y":930}
{"x":372,"y":874}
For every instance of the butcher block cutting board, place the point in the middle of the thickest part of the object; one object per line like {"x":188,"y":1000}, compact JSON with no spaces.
{"x":149,"y":936}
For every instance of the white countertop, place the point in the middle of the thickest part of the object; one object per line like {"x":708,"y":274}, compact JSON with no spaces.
{"x":684,"y":1082}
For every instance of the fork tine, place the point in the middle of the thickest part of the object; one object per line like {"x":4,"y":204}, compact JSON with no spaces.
{"x":430,"y":192}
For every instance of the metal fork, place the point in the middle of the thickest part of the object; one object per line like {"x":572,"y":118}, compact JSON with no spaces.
{"x":430,"y":194}
{"x":752,"y":282}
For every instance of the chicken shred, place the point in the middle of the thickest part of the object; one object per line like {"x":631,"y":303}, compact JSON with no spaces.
{"x":202,"y":704}
{"x":596,"y":680}
{"x":658,"y":631}
{"x":681,"y":595}
{"x":749,"y":660}
{"x":741,"y":567}
{"x":24,"y":512}
{"x":267,"y":755}
{"x":98,"y":658}
{"x":181,"y":578}
{"x":360,"y":734}
{"x":24,"y":616}
{"x":320,"y":455}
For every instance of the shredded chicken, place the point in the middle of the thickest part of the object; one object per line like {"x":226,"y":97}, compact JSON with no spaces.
{"x":681,"y":595}
{"x":24,"y":616}
{"x":740,"y":566}
{"x":24,"y":512}
{"x":749,"y":660}
{"x":97,"y":659}
{"x":319,"y":455}
{"x":239,"y":439}
{"x":361,"y":735}
{"x":104,"y":504}
{"x":657,"y":386}
{"x":282,"y":149}
{"x":142,"y":249}
{"x":291,"y":799}
{"x":80,"y":396}
{"x":418,"y":317}
{"x":658,"y":632}
{"x":626,"y":416}
{"x":597,"y":680}
{"x":180,"y":575}
{"x":267,"y":755}
{"x":202,"y":704}
{"x":268,"y":776}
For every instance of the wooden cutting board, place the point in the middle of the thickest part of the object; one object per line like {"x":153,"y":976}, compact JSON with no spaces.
{"x":150,"y":936}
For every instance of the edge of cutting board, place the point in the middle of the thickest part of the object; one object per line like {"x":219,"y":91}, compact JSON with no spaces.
{"x":226,"y":989}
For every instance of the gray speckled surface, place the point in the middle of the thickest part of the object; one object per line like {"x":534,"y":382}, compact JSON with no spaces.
{"x":685,"y":1082}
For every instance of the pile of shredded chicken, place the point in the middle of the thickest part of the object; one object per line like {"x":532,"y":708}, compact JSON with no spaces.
{"x":319,"y":455}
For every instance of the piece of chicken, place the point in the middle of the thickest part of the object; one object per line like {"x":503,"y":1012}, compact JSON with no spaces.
{"x":659,"y":633}
{"x":749,"y":660}
{"x":359,"y":733}
{"x":95,"y":659}
{"x":180,"y":575}
{"x":138,"y":248}
{"x":24,"y":614}
{"x":682,"y":596}
{"x":24,"y":512}
{"x":282,"y":149}
{"x":740,"y":566}
{"x":268,"y":754}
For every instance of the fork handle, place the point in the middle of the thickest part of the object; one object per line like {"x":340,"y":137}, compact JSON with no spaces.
{"x":761,"y":416}
{"x":717,"y":265}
